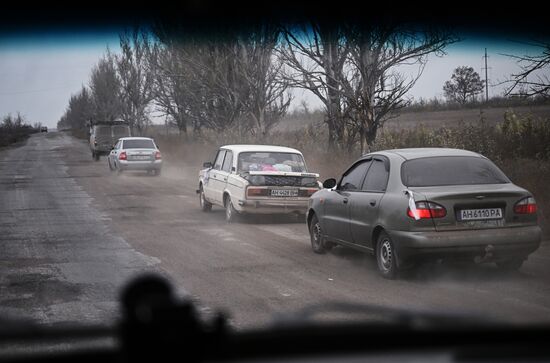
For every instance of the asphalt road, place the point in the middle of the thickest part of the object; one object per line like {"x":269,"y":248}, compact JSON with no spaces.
{"x":72,"y":233}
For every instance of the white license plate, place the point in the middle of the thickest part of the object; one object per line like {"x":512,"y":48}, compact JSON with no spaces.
{"x":480,"y":214}
{"x":141,"y":157}
{"x":284,"y":193}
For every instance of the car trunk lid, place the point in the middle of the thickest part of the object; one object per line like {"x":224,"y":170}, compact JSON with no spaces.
{"x":475,"y":206}
{"x":281,"y":184}
{"x":282,"y":178}
{"x":140,"y":154}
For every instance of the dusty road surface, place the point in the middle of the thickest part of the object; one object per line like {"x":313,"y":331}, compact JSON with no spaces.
{"x":72,"y":233}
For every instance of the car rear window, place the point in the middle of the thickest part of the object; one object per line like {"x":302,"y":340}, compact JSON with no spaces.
{"x":138,"y":144}
{"x":271,"y":161}
{"x":451,"y":170}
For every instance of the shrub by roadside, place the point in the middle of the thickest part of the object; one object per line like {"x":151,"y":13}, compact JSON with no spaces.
{"x":14,"y":129}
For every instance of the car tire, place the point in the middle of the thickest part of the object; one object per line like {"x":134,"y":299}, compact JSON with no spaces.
{"x":205,"y":205}
{"x":231,"y":214}
{"x":510,"y":265}
{"x":386,"y":256}
{"x":157,"y":172}
{"x":110,"y":165}
{"x":318,"y":243}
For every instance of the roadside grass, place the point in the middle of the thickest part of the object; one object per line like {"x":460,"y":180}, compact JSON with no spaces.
{"x":533,"y":175}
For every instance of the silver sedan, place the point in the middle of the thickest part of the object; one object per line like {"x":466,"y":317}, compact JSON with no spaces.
{"x":135,"y":153}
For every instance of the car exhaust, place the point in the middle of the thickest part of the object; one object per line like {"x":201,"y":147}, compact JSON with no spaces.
{"x":489,"y":249}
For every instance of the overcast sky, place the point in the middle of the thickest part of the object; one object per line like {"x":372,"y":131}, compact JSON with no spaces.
{"x":38,"y":74}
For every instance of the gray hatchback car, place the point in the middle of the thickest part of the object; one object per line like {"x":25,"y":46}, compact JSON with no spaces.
{"x":410,"y":205}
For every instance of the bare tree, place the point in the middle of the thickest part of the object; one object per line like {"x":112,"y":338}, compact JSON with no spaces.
{"x":315,"y":55}
{"x":533,"y":79}
{"x":136,"y":79}
{"x":10,"y":122}
{"x":221,"y":90}
{"x":354,"y":70}
{"x":106,"y":90}
{"x":197,"y":80}
{"x":375,"y":86}
{"x":465,"y":84}
{"x":267,"y":97}
{"x":79,"y":111}
{"x":171,"y":84}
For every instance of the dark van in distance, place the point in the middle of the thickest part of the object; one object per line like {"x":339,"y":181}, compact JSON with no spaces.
{"x":105,"y":134}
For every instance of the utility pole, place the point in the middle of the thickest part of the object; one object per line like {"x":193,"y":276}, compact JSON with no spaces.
{"x":486,"y":79}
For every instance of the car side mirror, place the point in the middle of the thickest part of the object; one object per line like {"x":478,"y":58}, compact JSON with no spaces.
{"x":329,"y":183}
{"x":113,"y":147}
{"x":207,"y":164}
{"x":233,"y":168}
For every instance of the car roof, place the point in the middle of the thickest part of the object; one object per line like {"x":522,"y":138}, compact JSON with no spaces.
{"x":238,"y":148}
{"x":135,"y":138}
{"x":425,"y":152}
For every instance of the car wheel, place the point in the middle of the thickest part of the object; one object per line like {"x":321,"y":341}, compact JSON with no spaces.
{"x":386,"y":257}
{"x":157,"y":172}
{"x":230,"y":212}
{"x":318,"y":243}
{"x":510,"y":265}
{"x":110,"y":165}
{"x":205,"y":205}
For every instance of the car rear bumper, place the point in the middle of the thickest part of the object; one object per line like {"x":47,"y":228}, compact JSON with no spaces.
{"x":140,"y":165}
{"x":272,"y":206}
{"x":485,"y":245}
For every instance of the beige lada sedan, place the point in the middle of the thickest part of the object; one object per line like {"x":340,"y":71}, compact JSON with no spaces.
{"x":256,"y":179}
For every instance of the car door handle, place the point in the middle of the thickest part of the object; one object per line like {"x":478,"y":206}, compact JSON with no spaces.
{"x":372,"y":203}
{"x":345,"y":201}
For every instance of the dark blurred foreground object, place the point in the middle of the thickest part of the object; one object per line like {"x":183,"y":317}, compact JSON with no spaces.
{"x":215,"y":15}
{"x":157,"y":327}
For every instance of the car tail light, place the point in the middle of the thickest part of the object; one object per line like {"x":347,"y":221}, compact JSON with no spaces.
{"x":158,"y":155}
{"x":256,"y":192}
{"x":526,"y":206}
{"x":428,"y":210}
{"x":123,"y":156}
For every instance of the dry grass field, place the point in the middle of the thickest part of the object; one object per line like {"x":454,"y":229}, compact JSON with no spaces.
{"x":411,"y":119}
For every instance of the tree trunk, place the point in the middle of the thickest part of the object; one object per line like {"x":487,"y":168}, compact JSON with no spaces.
{"x":370,"y":137}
